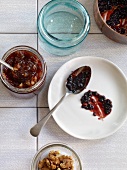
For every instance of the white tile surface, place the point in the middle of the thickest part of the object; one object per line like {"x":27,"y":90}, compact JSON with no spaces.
{"x":106,"y":154}
{"x":17,"y":146}
{"x":8,"y":41}
{"x":18,"y":16}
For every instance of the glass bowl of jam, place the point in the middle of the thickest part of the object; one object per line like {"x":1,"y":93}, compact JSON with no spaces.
{"x":62,"y":26}
{"x":111,"y":18}
{"x":29,"y":74}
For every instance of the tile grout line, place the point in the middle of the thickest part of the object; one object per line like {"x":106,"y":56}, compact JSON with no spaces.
{"x":37,"y":120}
{"x":6,"y":33}
{"x":18,"y":33}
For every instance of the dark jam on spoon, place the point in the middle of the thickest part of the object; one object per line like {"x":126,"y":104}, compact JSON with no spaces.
{"x":79,"y":79}
{"x":27,"y":66}
{"x":96,"y":103}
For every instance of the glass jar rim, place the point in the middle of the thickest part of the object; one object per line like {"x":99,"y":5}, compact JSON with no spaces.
{"x":53,"y":40}
{"x":49,"y":145}
{"x":32,"y":88}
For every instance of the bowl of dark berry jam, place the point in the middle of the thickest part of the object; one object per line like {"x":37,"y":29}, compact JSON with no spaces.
{"x":29,"y":74}
{"x":111,"y":18}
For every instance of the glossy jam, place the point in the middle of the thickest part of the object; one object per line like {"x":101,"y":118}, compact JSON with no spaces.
{"x":79,"y":79}
{"x":27,"y":66}
{"x":97,"y":104}
{"x":114,"y":14}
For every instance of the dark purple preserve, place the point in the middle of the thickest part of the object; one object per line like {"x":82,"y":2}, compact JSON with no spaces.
{"x":96,"y":103}
{"x":114,"y":13}
{"x":79,"y":79}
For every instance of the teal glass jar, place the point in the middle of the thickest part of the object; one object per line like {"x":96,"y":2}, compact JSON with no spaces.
{"x":62,"y":26}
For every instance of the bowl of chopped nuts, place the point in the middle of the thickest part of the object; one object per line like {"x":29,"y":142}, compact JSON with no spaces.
{"x":111,"y":18}
{"x":28,"y":74}
{"x":56,"y":156}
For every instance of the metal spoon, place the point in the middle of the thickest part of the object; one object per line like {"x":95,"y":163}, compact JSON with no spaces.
{"x":7,"y":65}
{"x":74,"y":86}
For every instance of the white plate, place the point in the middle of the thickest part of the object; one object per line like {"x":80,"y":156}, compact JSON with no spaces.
{"x":108,"y":80}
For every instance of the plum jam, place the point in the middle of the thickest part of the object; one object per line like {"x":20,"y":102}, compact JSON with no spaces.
{"x":96,"y":103}
{"x":27,"y":69}
{"x":114,"y":14}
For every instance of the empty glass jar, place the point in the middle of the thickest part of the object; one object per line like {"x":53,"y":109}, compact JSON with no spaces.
{"x":62,"y":26}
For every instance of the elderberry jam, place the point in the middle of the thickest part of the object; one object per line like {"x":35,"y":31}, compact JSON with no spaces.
{"x":29,"y":70}
{"x":79,"y":79}
{"x":96,"y":103}
{"x":114,"y":13}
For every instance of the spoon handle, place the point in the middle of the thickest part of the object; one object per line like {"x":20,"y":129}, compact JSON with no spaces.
{"x":35,"y":130}
{"x":7,"y":65}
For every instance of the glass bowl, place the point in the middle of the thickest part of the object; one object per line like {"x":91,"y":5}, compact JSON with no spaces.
{"x":62,"y":148}
{"x":18,"y":53}
{"x":62,"y":26}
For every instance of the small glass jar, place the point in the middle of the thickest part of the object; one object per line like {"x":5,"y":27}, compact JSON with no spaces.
{"x":62,"y":26}
{"x":29,"y":68}
{"x":63,"y":149}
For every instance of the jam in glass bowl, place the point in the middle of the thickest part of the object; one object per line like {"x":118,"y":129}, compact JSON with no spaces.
{"x":29,"y":72}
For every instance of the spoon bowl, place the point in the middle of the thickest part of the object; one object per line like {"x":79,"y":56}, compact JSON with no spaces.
{"x":76,"y":83}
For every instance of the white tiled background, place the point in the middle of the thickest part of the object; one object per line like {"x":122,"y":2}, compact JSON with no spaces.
{"x":17,"y":147}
